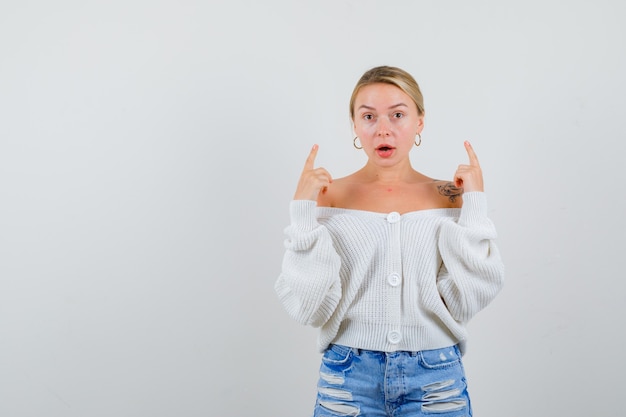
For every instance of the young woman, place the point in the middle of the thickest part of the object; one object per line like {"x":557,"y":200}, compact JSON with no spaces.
{"x":389,"y":264}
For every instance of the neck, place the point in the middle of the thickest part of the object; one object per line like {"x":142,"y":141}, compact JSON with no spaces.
{"x":398,"y":173}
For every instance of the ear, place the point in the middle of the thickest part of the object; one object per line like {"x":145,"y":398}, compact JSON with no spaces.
{"x":420,"y":125}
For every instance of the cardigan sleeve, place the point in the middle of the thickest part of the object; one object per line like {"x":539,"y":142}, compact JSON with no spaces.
{"x":472,"y":272}
{"x":308,"y":286}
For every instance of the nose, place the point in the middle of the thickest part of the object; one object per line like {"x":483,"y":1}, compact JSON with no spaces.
{"x":383,"y":127}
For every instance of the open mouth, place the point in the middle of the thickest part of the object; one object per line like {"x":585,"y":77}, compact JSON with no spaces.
{"x":385,"y":151}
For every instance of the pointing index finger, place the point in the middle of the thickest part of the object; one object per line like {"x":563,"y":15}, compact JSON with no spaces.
{"x":473,"y":159}
{"x":310,"y":160}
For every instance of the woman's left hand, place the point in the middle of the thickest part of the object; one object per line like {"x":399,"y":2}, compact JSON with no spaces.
{"x":469,"y":177}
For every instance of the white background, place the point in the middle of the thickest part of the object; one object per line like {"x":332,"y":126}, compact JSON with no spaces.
{"x":149,"y":150}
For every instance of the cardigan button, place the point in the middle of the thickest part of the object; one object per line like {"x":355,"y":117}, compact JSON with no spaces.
{"x":394,"y":279}
{"x":393,"y":217}
{"x":394,"y":337}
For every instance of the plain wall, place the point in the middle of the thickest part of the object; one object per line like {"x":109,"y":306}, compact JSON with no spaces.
{"x":149,"y":150}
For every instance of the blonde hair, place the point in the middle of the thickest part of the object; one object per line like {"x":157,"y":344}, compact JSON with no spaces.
{"x":394,"y":76}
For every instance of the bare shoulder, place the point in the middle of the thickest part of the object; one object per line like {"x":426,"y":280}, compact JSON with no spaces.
{"x":451,"y":195}
{"x":334,"y":193}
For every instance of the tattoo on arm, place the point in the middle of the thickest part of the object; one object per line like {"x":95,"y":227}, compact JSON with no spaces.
{"x":450,"y":190}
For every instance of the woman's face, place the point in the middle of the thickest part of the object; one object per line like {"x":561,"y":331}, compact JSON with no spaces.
{"x":386,"y":122}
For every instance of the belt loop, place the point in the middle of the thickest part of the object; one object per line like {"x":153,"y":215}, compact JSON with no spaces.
{"x":356,"y":351}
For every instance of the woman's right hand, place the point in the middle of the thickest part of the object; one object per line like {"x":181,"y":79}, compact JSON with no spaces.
{"x":312,"y":180}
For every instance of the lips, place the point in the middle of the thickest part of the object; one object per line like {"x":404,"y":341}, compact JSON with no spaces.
{"x":385,"y":150}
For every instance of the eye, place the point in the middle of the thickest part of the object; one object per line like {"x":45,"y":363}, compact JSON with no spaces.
{"x":398,"y":115}
{"x":368,"y":116}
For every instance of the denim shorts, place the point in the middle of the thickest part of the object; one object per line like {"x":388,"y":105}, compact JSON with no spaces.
{"x":355,"y":382}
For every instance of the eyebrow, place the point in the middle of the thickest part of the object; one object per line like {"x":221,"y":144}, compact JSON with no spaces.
{"x":364,"y":106}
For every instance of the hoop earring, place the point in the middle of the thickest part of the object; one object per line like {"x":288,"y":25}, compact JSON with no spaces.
{"x":420,"y":138}
{"x":354,"y":143}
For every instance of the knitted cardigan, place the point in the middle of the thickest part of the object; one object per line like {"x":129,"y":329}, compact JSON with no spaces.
{"x":389,"y":281}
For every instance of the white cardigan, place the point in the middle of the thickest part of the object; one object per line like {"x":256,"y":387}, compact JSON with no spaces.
{"x":386,"y":281}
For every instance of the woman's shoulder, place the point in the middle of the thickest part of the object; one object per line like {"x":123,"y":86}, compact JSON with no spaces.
{"x":335,"y":192}
{"x":449,"y":194}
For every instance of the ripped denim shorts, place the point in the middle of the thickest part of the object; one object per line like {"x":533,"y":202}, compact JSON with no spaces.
{"x":356,"y":382}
